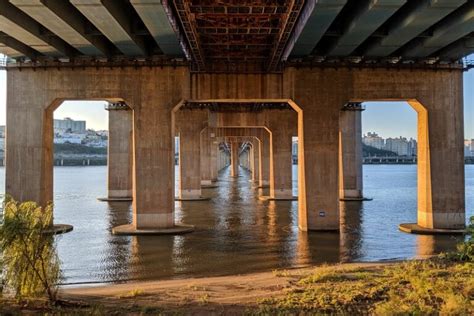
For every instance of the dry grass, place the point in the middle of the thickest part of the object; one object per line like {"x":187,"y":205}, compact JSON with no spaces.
{"x":415,"y":287}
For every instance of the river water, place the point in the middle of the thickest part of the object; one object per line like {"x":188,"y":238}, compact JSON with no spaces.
{"x":236,"y":232}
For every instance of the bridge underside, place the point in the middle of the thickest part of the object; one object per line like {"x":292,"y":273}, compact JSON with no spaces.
{"x":237,"y":35}
{"x":244,"y":76}
{"x":309,"y":103}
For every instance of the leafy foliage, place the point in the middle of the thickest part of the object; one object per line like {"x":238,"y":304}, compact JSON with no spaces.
{"x":30,"y":260}
{"x":465,"y":249}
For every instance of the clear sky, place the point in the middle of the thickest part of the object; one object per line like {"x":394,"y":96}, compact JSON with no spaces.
{"x":388,"y":119}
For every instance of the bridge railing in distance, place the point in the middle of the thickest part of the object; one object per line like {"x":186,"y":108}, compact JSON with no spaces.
{"x":468,"y":63}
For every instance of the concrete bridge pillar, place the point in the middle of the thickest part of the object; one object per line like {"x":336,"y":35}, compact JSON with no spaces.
{"x":318,"y":165}
{"x":264,"y":158}
{"x":350,"y":153}
{"x":29,"y":147}
{"x":213,"y":144}
{"x":281,"y":186}
{"x":190,"y":126}
{"x":255,"y":159}
{"x":206,"y":157}
{"x":441,"y":187}
{"x":120,"y":158}
{"x":234,"y":159}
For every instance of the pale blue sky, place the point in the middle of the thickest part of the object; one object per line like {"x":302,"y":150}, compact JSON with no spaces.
{"x":388,"y":119}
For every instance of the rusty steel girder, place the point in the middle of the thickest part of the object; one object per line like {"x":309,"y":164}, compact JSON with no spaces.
{"x":255,"y":31}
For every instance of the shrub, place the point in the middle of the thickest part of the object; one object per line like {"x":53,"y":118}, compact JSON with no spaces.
{"x":30,"y":260}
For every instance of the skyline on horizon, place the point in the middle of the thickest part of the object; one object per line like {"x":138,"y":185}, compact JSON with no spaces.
{"x":388,"y":119}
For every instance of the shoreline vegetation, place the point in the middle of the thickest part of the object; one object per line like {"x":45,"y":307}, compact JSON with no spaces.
{"x":442,"y":284}
{"x":430,"y":286}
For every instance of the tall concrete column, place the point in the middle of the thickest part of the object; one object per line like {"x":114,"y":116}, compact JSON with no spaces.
{"x":190,"y":124}
{"x":264,"y":160}
{"x":350,"y":153}
{"x":318,"y":166}
{"x":234,"y":159}
{"x":441,"y":188}
{"x":255,"y":160}
{"x":206,"y":157}
{"x":213,"y":159}
{"x":29,"y":148}
{"x":281,"y":185}
{"x":120,"y":159}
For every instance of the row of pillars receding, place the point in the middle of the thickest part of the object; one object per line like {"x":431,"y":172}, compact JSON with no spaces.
{"x":315,"y":95}
{"x":207,"y":146}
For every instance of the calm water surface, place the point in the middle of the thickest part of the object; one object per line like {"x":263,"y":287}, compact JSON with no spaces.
{"x":236,"y":232}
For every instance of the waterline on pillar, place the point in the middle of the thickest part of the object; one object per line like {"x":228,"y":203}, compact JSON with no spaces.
{"x":283,"y":198}
{"x":355,"y":199}
{"x":58,"y":229}
{"x":129,"y":229}
{"x":115,"y":199}
{"x":199,"y":198}
{"x":414,"y":228}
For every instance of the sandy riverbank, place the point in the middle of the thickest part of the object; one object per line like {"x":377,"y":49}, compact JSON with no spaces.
{"x":234,"y":294}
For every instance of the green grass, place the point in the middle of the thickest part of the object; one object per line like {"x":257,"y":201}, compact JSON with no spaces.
{"x":413,"y":288}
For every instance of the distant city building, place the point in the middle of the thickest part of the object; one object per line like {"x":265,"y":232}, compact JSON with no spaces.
{"x":69,"y":138}
{"x":401,"y":146}
{"x":374,"y":140}
{"x":69,"y":125}
{"x":412,"y":147}
{"x":2,"y":131}
{"x":294,"y":147}
{"x":469,"y":148}
{"x":397,"y":145}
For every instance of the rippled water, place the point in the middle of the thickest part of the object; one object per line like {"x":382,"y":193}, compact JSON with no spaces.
{"x":236,"y":232}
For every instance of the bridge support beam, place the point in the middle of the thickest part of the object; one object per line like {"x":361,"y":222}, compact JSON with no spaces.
{"x":255,"y":159}
{"x":281,"y":161}
{"x":350,"y":153}
{"x":234,"y":159}
{"x":190,"y":126}
{"x":264,"y":161}
{"x":208,"y":157}
{"x":119,"y":160}
{"x":441,"y":188}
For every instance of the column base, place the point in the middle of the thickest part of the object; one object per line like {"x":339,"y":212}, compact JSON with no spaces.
{"x":209,"y":186}
{"x":58,"y":229}
{"x":130,"y":229}
{"x":115,"y":199}
{"x":414,"y":228}
{"x":197,"y":198}
{"x":269,"y":198}
{"x":349,"y":199}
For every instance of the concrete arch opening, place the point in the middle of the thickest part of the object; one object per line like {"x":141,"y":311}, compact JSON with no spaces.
{"x":431,"y":186}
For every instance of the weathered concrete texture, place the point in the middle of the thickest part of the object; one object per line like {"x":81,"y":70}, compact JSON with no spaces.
{"x":350,"y":155}
{"x":151,"y":92}
{"x":316,"y":94}
{"x":234,"y":159}
{"x":281,"y":125}
{"x":190,"y":124}
{"x":255,"y":159}
{"x":120,"y":155}
{"x":208,"y":156}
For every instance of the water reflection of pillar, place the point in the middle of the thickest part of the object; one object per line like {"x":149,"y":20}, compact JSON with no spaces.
{"x":302,"y":254}
{"x":117,"y":254}
{"x":428,"y":245}
{"x":351,"y":231}
{"x":272,"y":222}
{"x":324,"y":247}
{"x":152,"y":257}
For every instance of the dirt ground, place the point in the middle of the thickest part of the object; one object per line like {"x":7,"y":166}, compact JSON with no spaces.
{"x":229,"y":295}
